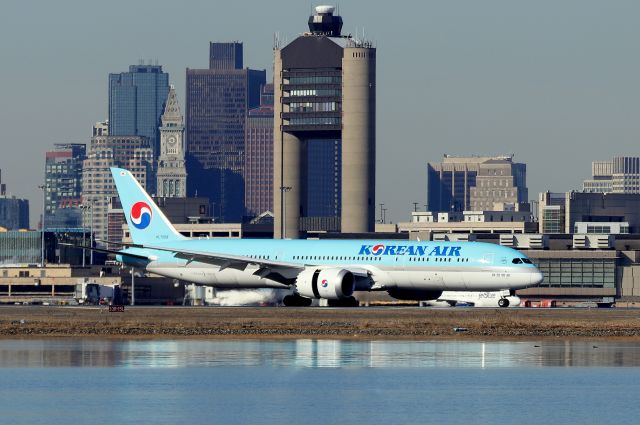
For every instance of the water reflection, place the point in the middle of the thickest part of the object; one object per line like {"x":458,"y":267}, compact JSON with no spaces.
{"x":308,"y":353}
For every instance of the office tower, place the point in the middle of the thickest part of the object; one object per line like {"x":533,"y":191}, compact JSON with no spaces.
{"x":325,"y":89}
{"x":501,"y":185}
{"x":135,"y":153}
{"x":172,"y":173}
{"x":217,"y":101}
{"x":63,"y":185}
{"x":476,"y":183}
{"x":225,"y":55}
{"x":14,"y":212}
{"x":619,"y":175}
{"x":258,"y":169}
{"x":136,"y":99}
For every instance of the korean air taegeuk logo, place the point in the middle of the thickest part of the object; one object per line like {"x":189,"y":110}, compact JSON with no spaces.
{"x":141,"y":215}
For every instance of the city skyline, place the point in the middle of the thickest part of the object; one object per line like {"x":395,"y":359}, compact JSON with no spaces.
{"x":487,"y":79}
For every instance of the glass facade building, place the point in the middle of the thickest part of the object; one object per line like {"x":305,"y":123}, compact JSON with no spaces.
{"x":324,"y":178}
{"x":63,"y":185}
{"x":577,"y":272}
{"x":20,"y":248}
{"x":136,"y":100}
{"x":217,"y":102}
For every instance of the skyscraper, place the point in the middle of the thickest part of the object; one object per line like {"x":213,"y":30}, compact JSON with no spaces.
{"x":258,"y":169}
{"x":325,"y":89}
{"x":136,"y":99}
{"x":172,"y":174}
{"x":63,"y":185}
{"x":217,"y":101}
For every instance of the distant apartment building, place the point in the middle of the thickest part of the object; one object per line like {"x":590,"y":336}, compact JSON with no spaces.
{"x":136,"y":100}
{"x":619,"y":175}
{"x":101,"y":128}
{"x":217,"y":101}
{"x":258,"y":169}
{"x":63,"y":186}
{"x":134,"y":153}
{"x":476,"y":183}
{"x":14,"y":212}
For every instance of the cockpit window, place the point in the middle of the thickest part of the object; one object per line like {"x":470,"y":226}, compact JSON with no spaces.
{"x":526,"y":261}
{"x":516,"y":261}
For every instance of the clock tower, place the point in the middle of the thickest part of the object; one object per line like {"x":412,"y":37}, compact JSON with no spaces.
{"x":172,"y":173}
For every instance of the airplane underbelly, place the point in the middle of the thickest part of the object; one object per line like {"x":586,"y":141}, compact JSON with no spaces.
{"x":454,"y":280}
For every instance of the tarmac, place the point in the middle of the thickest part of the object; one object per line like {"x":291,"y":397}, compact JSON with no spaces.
{"x":408,"y":323}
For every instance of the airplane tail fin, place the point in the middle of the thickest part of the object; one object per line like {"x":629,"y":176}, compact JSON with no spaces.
{"x":147,"y":224}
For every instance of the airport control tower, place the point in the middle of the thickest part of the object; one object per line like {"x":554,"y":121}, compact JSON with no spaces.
{"x":325,"y":89}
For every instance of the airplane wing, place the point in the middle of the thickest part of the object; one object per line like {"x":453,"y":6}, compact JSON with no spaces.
{"x":281,"y":271}
{"x":110,"y":251}
{"x":224,"y":260}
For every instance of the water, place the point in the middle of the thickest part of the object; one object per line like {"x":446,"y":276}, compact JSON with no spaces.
{"x":60,"y":381}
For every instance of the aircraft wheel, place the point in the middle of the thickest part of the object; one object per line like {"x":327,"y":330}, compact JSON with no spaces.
{"x":503,"y":302}
{"x":346,"y":302}
{"x":296,"y":301}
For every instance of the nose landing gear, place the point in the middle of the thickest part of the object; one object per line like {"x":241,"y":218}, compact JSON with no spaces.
{"x":503,"y":302}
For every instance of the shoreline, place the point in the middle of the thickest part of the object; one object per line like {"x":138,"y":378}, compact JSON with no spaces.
{"x":364,"y":323}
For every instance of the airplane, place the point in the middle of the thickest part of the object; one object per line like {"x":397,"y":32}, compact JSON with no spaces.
{"x":313,"y":269}
{"x":475,"y":298}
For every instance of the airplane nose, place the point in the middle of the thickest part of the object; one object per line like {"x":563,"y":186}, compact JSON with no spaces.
{"x":536,"y":277}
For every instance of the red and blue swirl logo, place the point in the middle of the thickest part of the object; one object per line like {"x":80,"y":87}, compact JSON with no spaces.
{"x":378,"y":249}
{"x":324,"y":283}
{"x":141,"y":215}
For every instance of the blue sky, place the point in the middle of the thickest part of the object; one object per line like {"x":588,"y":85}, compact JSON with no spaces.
{"x":554,"y":82}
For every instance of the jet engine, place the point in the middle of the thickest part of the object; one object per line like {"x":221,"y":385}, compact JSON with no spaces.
{"x":331,"y":284}
{"x":414,"y":294}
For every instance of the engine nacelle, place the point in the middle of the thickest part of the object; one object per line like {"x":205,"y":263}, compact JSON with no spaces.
{"x":331,"y":284}
{"x":414,"y":294}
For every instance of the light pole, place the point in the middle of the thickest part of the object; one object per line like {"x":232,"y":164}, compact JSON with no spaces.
{"x":91,"y":231}
{"x":381,"y":214}
{"x":84,"y":209}
{"x":44,"y":202}
{"x":133,"y":287}
{"x":415,"y":206}
{"x":283,"y":228}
